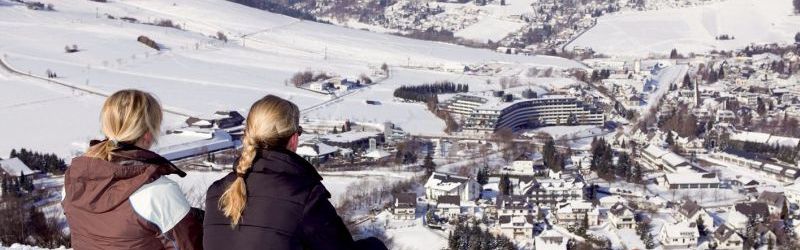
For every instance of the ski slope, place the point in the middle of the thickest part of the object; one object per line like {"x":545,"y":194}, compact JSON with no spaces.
{"x":196,"y":75}
{"x":692,"y":29}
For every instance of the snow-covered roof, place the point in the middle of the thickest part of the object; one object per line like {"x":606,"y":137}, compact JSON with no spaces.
{"x":673,"y":159}
{"x":377,"y":154}
{"x":315,"y":149}
{"x":691,"y":178}
{"x":655,"y":151}
{"x":765,"y":138}
{"x":445,"y":182}
{"x":15,"y":167}
{"x":190,"y":144}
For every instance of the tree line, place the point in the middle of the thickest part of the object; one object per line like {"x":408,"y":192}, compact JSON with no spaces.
{"x":469,"y":236}
{"x":424,"y":92}
{"x":43,"y":162}
{"x":603,"y":163}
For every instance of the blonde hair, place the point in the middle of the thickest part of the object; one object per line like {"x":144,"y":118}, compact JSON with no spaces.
{"x":126,"y":117}
{"x":271,"y":123}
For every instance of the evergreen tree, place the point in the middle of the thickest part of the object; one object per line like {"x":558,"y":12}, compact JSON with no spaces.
{"x":483,"y":176}
{"x":505,"y":187}
{"x":701,"y":227}
{"x":687,"y":82}
{"x":670,"y":140}
{"x":797,"y":10}
{"x":428,"y":163}
{"x":674,"y":54}
{"x":551,"y":157}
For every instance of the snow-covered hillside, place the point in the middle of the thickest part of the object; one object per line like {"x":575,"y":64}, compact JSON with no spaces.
{"x":693,"y":29}
{"x":196,"y":74}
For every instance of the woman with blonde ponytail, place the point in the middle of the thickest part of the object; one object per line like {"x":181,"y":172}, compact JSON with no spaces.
{"x":274,"y":199}
{"x":116,"y":196}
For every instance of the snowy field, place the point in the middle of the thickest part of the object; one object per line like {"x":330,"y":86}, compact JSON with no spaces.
{"x":198,"y":75}
{"x":693,"y":29}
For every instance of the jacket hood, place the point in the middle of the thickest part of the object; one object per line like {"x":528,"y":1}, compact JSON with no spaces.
{"x":99,"y":186}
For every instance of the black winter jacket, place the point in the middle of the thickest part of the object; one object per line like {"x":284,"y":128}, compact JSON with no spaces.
{"x":287,"y":208}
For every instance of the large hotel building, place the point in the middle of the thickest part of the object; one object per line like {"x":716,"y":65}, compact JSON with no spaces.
{"x":489,"y":113}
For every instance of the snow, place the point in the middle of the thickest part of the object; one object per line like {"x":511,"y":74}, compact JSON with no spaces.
{"x":692,"y":29}
{"x":197,"y":75}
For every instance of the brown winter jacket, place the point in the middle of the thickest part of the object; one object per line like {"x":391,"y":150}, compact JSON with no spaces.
{"x":100,"y":212}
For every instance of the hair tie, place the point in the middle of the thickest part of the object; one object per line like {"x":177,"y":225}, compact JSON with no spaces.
{"x":242,"y":175}
{"x":114,"y":142}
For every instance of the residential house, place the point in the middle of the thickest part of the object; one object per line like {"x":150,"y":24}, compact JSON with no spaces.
{"x":681,"y":235}
{"x":440,"y":184}
{"x":726,"y":238}
{"x":573,"y":213}
{"x":691,"y":211}
{"x":514,"y":205}
{"x":405,"y":206}
{"x":775,"y":201}
{"x":621,"y":217}
{"x":516,"y":226}
{"x":448,"y":206}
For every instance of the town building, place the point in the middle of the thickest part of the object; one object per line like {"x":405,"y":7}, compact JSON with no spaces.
{"x":554,"y":191}
{"x":487,"y":114}
{"x":448,"y":206}
{"x":681,"y":235}
{"x":726,"y":238}
{"x":514,"y":205}
{"x":191,"y":142}
{"x":621,"y":217}
{"x":405,"y":206}
{"x":441,"y":184}
{"x":516,"y":226}
{"x":691,"y":180}
{"x":573,"y":213}
{"x":663,"y":159}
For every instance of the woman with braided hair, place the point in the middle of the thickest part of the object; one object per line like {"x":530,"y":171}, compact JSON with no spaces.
{"x":274,"y":199}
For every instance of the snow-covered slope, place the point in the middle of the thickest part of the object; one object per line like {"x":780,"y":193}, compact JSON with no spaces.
{"x":693,"y":29}
{"x":197,"y":74}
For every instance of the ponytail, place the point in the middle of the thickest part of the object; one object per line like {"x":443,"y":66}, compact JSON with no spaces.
{"x":234,"y":200}
{"x":272,"y":121}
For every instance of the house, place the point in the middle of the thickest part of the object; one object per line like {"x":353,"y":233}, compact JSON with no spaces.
{"x":621,"y":217}
{"x":738,"y":216}
{"x":514,"y":205}
{"x":573,"y":213}
{"x":525,"y":162}
{"x":440,"y":184}
{"x":726,"y":238}
{"x":681,"y":235}
{"x":405,"y":206}
{"x":774,"y":200}
{"x":315,"y":151}
{"x":187,"y":143}
{"x":690,"y":211}
{"x":553,"y":191}
{"x":551,"y":239}
{"x":448,"y":206}
{"x":14,"y":167}
{"x":516,"y":226}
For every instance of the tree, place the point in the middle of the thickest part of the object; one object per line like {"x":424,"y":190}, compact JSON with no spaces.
{"x":797,"y":36}
{"x":483,"y":176}
{"x":674,"y":54}
{"x":670,"y":140}
{"x":701,"y":227}
{"x":428,"y":164}
{"x":551,"y":157}
{"x":505,"y":186}
{"x":687,"y":82}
